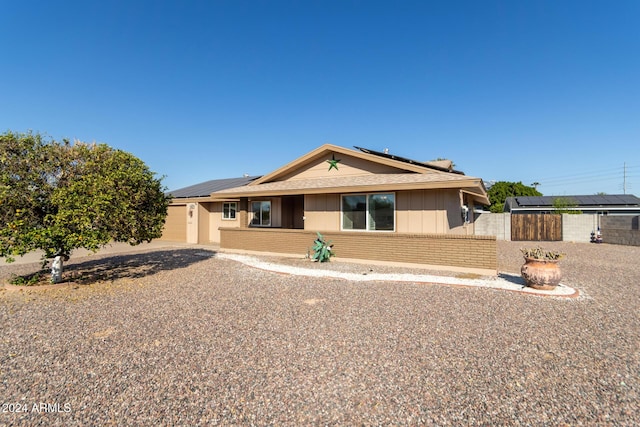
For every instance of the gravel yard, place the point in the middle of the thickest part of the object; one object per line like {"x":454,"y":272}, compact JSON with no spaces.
{"x":176,"y":336}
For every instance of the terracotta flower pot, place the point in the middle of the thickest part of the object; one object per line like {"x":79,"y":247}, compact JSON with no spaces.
{"x":541,"y":274}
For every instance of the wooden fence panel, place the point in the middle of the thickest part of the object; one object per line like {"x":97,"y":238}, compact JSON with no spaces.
{"x":536,"y":227}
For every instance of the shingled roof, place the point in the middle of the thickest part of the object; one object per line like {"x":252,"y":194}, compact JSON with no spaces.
{"x":355,"y":183}
{"x":399,"y":174}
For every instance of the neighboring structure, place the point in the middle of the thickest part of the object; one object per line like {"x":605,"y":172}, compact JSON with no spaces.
{"x":372,"y":205}
{"x":534,"y":215}
{"x":621,"y":230}
{"x":615,"y":204}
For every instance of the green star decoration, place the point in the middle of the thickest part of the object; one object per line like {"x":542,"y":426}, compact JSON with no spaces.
{"x":333,"y":163}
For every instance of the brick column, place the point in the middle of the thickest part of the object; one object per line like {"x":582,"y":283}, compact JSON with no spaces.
{"x":244,"y":214}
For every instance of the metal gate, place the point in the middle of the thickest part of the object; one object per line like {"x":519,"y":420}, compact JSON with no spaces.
{"x":536,"y":227}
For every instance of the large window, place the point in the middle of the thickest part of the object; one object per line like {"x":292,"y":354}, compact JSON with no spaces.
{"x":229,"y":210}
{"x":261,"y":213}
{"x":373,"y":212}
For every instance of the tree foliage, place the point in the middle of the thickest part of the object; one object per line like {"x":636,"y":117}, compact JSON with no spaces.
{"x":59,"y":196}
{"x":565,"y":205}
{"x":499,"y":192}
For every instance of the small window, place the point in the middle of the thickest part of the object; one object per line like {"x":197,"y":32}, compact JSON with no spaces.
{"x":261,"y":214}
{"x":373,"y":212}
{"x":229,"y":210}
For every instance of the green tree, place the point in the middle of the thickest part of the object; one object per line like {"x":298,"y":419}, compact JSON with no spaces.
{"x":499,"y":192}
{"x":57,"y":197}
{"x":565,"y":205}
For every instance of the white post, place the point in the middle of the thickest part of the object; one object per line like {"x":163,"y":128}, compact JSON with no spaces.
{"x":56,"y":269}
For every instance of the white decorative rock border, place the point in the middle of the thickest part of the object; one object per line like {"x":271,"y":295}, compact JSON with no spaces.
{"x":502,"y":281}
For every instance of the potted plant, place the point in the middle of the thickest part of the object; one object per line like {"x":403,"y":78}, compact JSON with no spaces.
{"x":541,"y":269}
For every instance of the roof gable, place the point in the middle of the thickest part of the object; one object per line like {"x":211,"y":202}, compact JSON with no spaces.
{"x":331,"y":169}
{"x":328,"y":161}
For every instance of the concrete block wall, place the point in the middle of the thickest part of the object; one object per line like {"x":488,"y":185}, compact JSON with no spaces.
{"x":621,"y":229}
{"x":575,"y":228}
{"x":493,"y":224}
{"x":459,"y":252}
{"x":578,"y":227}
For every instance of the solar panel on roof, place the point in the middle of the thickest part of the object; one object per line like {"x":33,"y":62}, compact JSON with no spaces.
{"x":204,"y":189}
{"x":406,"y":160}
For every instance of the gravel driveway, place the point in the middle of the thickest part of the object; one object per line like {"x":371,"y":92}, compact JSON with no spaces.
{"x":180,"y":337}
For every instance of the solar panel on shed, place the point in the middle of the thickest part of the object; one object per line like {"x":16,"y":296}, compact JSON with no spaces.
{"x":582,"y":200}
{"x":628,"y":199}
{"x":531,"y":201}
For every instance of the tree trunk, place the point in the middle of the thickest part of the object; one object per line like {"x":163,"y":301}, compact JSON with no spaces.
{"x":56,"y":269}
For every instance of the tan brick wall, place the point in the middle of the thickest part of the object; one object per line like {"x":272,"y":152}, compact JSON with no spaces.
{"x":467,"y":252}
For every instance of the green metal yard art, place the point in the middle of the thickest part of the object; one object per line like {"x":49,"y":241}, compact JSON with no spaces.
{"x":322,"y":251}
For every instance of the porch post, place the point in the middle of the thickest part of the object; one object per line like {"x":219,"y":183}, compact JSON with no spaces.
{"x":244,"y":214}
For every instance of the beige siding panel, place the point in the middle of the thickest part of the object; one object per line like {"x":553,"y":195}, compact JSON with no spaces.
{"x":408,"y":212}
{"x":276,"y":212}
{"x":347,"y":166}
{"x":421,"y":211}
{"x":417,"y":211}
{"x":215,"y":222}
{"x":322,"y":212}
{"x":402,"y":212}
{"x":434,"y":221}
{"x":203,"y":222}
{"x":175,"y":226}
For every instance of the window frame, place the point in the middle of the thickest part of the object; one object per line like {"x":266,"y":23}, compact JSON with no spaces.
{"x":225,"y":211}
{"x":367,"y":213}
{"x":253,"y":212}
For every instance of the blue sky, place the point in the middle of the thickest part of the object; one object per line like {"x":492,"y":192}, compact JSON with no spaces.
{"x":531,"y":91}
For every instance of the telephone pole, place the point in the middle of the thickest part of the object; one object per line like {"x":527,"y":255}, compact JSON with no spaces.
{"x":624,"y":178}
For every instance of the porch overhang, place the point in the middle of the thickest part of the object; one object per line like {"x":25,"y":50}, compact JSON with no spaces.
{"x":478,"y":195}
{"x":357,"y":184}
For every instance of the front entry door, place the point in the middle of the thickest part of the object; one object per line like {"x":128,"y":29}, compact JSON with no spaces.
{"x":293,"y":212}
